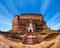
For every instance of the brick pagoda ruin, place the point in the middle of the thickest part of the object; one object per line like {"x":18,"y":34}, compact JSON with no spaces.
{"x":20,"y":23}
{"x":42,"y":36}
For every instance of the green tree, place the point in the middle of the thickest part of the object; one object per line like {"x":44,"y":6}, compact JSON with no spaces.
{"x":10,"y":30}
{"x":58,"y":30}
{"x":0,"y":30}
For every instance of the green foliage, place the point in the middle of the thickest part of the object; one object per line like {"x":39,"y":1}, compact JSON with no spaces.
{"x":10,"y":30}
{"x":58,"y":30}
{"x":0,"y":31}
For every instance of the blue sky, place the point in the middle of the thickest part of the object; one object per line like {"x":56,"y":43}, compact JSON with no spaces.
{"x":49,"y":8}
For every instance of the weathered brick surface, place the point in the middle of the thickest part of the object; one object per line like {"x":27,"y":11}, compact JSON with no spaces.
{"x":21,"y":23}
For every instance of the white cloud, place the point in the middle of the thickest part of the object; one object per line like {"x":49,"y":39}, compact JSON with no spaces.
{"x":11,"y":6}
{"x":5,"y":16}
{"x":45,"y":4}
{"x":5,"y":23}
{"x":4,"y":11}
{"x":56,"y":27}
{"x":54,"y":18}
{"x":4,"y":26}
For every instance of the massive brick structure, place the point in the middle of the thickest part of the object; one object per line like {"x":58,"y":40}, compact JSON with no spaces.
{"x":21,"y":23}
{"x":46,"y":39}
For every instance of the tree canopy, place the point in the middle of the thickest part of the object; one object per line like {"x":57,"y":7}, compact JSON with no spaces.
{"x":58,"y":30}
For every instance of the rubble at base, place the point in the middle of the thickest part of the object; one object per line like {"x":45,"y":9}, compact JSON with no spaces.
{"x":48,"y":40}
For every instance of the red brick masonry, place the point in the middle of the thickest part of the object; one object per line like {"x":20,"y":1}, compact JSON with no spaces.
{"x":20,"y":23}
